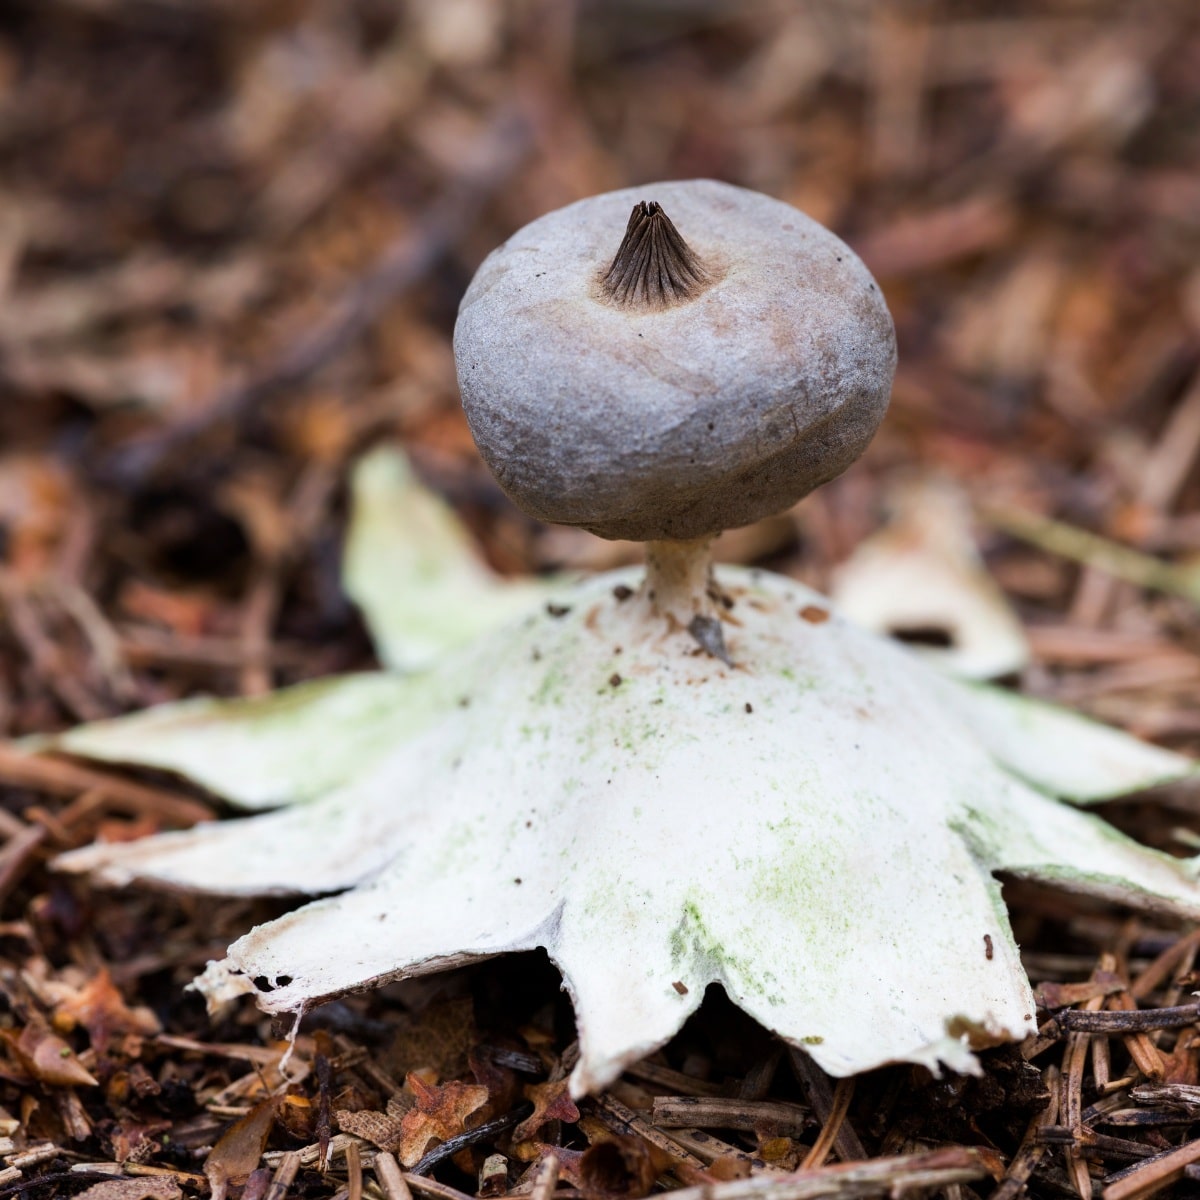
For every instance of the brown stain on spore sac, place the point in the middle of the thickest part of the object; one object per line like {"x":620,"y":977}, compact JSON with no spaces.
{"x":654,"y":268}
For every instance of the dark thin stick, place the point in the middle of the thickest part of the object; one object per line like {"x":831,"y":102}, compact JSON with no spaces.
{"x":1151,"y":1174}
{"x":1081,"y":1021}
{"x":28,"y":1185}
{"x":820,"y":1095}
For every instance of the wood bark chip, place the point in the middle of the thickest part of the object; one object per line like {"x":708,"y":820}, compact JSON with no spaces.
{"x":1125,"y":1021}
{"x":383,"y":1129}
{"x":771,"y":1117}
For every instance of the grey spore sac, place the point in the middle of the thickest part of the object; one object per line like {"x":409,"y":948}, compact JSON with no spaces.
{"x":692,"y":367}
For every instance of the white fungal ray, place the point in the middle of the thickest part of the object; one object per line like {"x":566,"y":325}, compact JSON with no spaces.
{"x":1062,"y":752}
{"x":266,"y":751}
{"x":816,"y":829}
{"x":413,"y":570}
{"x":424,"y":591}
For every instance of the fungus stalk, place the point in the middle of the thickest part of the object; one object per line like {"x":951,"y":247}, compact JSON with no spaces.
{"x":679,"y":580}
{"x":680,"y":587}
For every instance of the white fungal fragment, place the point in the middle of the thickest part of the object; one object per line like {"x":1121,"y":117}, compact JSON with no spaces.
{"x":921,"y":577}
{"x":412,"y":569}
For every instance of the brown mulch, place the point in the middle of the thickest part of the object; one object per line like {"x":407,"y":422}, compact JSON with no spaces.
{"x":232,"y":240}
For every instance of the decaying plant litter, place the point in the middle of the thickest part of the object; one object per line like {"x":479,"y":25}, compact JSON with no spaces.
{"x":206,"y":319}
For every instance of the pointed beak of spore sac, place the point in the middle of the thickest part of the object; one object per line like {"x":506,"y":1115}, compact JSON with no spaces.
{"x":654,"y":267}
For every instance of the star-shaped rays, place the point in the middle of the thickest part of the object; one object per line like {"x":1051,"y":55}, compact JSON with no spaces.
{"x":815,"y":828}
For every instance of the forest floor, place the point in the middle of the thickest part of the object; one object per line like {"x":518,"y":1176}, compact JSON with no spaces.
{"x":232,"y":242}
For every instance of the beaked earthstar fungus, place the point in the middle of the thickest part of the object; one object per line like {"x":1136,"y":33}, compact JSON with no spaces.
{"x":669,"y":782}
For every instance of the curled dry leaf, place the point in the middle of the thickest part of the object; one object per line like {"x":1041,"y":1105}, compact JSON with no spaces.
{"x":441,"y":1112}
{"x":102,"y":1011}
{"x":47,"y":1057}
{"x":551,"y":1102}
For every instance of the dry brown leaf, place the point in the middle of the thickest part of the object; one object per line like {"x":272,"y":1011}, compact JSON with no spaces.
{"x":48,"y":1058}
{"x":441,"y":1113}
{"x":240,"y":1148}
{"x":551,"y":1102}
{"x":102,"y":1011}
{"x":137,"y":1141}
{"x":382,"y":1129}
{"x":622,"y":1165}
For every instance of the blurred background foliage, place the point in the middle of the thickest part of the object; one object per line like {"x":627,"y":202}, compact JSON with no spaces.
{"x":233,"y":236}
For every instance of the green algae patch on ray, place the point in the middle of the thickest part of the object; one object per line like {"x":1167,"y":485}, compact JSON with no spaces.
{"x":696,"y":949}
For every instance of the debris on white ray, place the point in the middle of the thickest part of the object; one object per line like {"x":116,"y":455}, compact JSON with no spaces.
{"x":815,"y":829}
{"x":413,"y":570}
{"x":921,"y":576}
